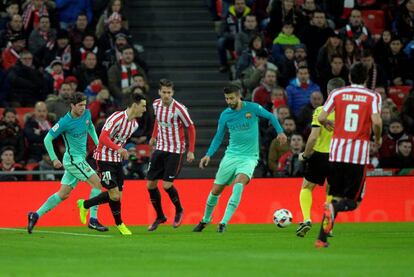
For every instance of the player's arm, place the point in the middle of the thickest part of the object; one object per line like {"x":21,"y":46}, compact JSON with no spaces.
{"x":188,"y":123}
{"x":93,"y":134}
{"x":153,"y":140}
{"x":377,"y":128}
{"x":260,"y":111}
{"x":310,"y":143}
{"x":215,"y":143}
{"x":328,"y":107}
{"x":53,"y":133}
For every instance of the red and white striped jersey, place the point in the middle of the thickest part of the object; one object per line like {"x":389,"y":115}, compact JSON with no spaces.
{"x":353,"y":107}
{"x":118,"y":129}
{"x":169,"y":126}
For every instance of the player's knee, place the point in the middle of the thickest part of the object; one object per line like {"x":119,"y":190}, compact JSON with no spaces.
{"x":308,"y":185}
{"x":352,"y":204}
{"x":115,"y":196}
{"x":151,"y":184}
{"x":64,"y":196}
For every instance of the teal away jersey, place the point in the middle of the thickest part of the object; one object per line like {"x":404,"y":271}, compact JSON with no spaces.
{"x":243,"y":127}
{"x":74,"y":132}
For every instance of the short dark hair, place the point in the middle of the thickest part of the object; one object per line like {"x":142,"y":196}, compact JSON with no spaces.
{"x":289,"y":118}
{"x":135,"y":98}
{"x":77,"y":97}
{"x":336,"y":56}
{"x":302,"y":67}
{"x":126,"y":47}
{"x":232,"y":88}
{"x":358,"y":73}
{"x":166,"y":83}
{"x":9,"y":110}
{"x":7,"y":148}
{"x":335,"y":83}
{"x":366,"y":53}
{"x":401,"y":141}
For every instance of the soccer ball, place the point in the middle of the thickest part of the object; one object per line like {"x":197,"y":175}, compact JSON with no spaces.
{"x":282,"y":218}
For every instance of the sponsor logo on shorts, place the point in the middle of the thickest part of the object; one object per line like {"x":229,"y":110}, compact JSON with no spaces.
{"x":171,"y":177}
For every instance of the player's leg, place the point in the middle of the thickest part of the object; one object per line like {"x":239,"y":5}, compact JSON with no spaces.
{"x":172,"y":170}
{"x":211,"y":203}
{"x":93,"y":215}
{"x":51,"y":202}
{"x":156,"y":172}
{"x":305,"y":200}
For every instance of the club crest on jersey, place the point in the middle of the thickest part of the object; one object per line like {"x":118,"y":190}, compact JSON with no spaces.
{"x":248,"y":115}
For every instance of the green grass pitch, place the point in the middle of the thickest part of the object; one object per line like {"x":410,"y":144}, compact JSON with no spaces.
{"x":369,"y":249}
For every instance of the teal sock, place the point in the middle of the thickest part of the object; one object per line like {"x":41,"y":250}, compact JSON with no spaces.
{"x":210,"y":205}
{"x":50,"y":203}
{"x":233,"y":203}
{"x":94,"y":209}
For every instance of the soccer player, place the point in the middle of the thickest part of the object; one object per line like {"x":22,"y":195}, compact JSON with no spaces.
{"x":241,"y":118}
{"x":109,"y":155}
{"x":316,"y":157}
{"x":357,"y":113}
{"x":74,"y":128}
{"x":169,"y":141}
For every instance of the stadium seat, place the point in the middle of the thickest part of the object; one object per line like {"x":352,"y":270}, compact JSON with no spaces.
{"x":374,"y":20}
{"x":31,"y":167}
{"x":398,"y":94}
{"x":143,"y":152}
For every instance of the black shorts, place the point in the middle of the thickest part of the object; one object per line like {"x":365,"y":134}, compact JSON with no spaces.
{"x":164,"y":165}
{"x":347,"y":180}
{"x":111,"y":174}
{"x":317,"y":168}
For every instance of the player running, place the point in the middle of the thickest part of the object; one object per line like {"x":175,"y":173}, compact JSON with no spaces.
{"x":316,"y":157}
{"x":109,"y":155}
{"x":169,"y":140}
{"x":241,"y":119}
{"x":74,"y":128}
{"x":357,"y":113}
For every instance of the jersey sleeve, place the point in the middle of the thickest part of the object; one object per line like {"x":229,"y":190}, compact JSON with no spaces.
{"x":376,"y":104}
{"x":315,"y":121}
{"x":112,"y":123}
{"x":329,"y":105}
{"x":58,"y":128}
{"x":262,"y":112}
{"x":218,"y":137}
{"x":184,"y":116}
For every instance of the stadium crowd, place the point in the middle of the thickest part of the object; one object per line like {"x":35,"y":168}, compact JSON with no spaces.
{"x":281,"y":53}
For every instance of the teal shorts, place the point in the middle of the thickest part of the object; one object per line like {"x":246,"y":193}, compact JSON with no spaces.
{"x":76,"y":170}
{"x":231,"y":166}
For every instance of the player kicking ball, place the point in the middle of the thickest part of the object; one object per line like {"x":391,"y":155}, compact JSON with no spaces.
{"x":241,"y":119}
{"x":316,"y":158}
{"x":109,"y":155}
{"x":74,"y":128}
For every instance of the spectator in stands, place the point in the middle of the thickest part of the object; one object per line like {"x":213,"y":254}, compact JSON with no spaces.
{"x":26,"y":83}
{"x":12,"y":8}
{"x":300,"y":89}
{"x":54,"y":76}
{"x":404,"y":22}
{"x":332,"y":47}
{"x":382,"y":46}
{"x":10,"y":55}
{"x":88,"y":45}
{"x":8,"y":164}
{"x":376,"y":75}
{"x":397,"y":69}
{"x":233,"y":24}
{"x":315,"y":35}
{"x":351,"y":53}
{"x":143,"y":134}
{"x":114,"y":6}
{"x":59,"y":105}
{"x":403,"y":158}
{"x":89,"y":71}
{"x":261,"y":94}
{"x":107,"y":40}
{"x":120,"y":75}
{"x":43,"y":36}
{"x":336,"y":69}
{"x":133,"y":168}
{"x":35,"y":10}
{"x":250,"y":77}
{"x":278,"y":98}
{"x":373,"y":156}
{"x":14,"y":27}
{"x":307,"y":10}
{"x":73,"y":82}
{"x":78,"y":31}
{"x":69,"y":9}
{"x":243,"y":38}
{"x":285,"y":38}
{"x":11,"y":133}
{"x":282,"y":11}
{"x":387,"y":113}
{"x":289,"y":164}
{"x":407,"y":112}
{"x":139,"y":81}
{"x":276,"y":150}
{"x":246,"y":59}
{"x":35,"y":130}
{"x":289,"y":66}
{"x":100,"y":107}
{"x":357,"y":31}
{"x":93,"y":89}
{"x":46,"y":164}
{"x":61,"y":51}
{"x":304,"y":120}
{"x":390,"y":141}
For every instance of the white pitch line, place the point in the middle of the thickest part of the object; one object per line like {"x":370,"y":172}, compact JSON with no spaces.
{"x":59,"y":233}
